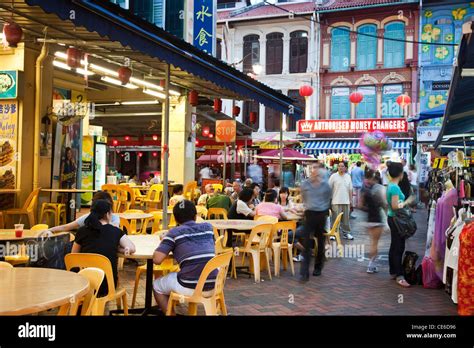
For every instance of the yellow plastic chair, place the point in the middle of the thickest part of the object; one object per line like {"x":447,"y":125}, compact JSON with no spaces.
{"x":5,"y":265}
{"x":28,"y":209}
{"x":335,"y":230}
{"x":221,"y":249}
{"x":95,"y":276}
{"x":216,"y":213}
{"x":266,"y":218}
{"x":201,"y":211}
{"x":139,"y":197}
{"x":217,"y":187}
{"x":154,"y":197}
{"x":125,"y":197}
{"x":261,"y":234}
{"x":84,"y":260}
{"x":215,"y":302}
{"x":54,"y":213}
{"x":189,"y":190}
{"x":283,"y":248}
{"x":297,"y":199}
{"x":39,"y":227}
{"x":168,"y":265}
{"x":113,"y":191}
{"x":134,"y":226}
{"x":20,"y":258}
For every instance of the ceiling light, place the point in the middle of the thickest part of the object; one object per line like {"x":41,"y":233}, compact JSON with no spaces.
{"x":108,"y":104}
{"x":118,"y":82}
{"x":176,"y":93}
{"x":141,"y":102}
{"x":154,"y":93}
{"x":145,"y":83}
{"x":84,"y":72}
{"x":61,"y":65}
{"x":104,"y":70}
{"x":59,"y":54}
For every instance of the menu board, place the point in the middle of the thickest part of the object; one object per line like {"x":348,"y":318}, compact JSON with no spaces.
{"x":8,"y":143}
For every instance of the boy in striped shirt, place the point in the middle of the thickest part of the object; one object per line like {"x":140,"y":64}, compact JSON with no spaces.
{"x":192,"y":245}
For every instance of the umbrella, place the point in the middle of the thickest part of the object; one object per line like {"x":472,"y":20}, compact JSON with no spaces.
{"x":213,"y":158}
{"x":288,"y":155}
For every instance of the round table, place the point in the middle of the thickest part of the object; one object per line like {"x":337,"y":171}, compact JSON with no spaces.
{"x":235,"y":224}
{"x":71,"y":211}
{"x":9,"y":235}
{"x":145,"y":245}
{"x":134,"y":216}
{"x":31,"y":290}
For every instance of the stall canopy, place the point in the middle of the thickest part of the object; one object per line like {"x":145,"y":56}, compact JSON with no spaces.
{"x":288,"y":155}
{"x":316,"y":147}
{"x":458,"y":123}
{"x":429,"y":114}
{"x":148,"y":46}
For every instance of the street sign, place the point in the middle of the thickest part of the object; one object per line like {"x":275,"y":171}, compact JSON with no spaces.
{"x":205,"y":25}
{"x":225,"y":131}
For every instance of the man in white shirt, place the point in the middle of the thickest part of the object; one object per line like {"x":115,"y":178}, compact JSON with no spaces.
{"x":341,"y":186}
{"x":152,"y":179}
{"x":209,"y":189}
{"x":205,"y":173}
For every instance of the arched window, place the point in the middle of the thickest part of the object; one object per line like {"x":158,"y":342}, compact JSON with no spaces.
{"x":298,"y":51}
{"x":442,"y":31}
{"x":251,"y":52}
{"x":340,"y":105}
{"x":366,"y":47}
{"x":274,"y":63}
{"x":340,"y":49}
{"x":390,"y":108}
{"x":394,"y":51}
{"x":368,"y":106}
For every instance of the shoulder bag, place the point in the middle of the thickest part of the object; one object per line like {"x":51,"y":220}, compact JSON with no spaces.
{"x":404,"y":222}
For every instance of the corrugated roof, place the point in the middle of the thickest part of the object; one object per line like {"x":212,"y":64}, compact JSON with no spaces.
{"x":266,"y":10}
{"x":348,"y":4}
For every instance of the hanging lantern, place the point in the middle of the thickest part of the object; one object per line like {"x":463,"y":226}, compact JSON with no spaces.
{"x":155,"y":154}
{"x":124,"y":74}
{"x":115,"y":142}
{"x":193,"y":98}
{"x":140,"y":154}
{"x":253,"y":117}
{"x":236,"y":111}
{"x":356,"y":97}
{"x":162,"y":83}
{"x":74,"y":57}
{"x":403,"y":100}
{"x":217,"y":105}
{"x":155,"y":137}
{"x":306,"y":91}
{"x":205,"y":131}
{"x":197,"y":142}
{"x":211,"y":135}
{"x":12,"y":33}
{"x":127,"y":138}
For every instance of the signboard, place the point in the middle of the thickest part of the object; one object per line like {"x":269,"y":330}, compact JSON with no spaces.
{"x":386,"y":125}
{"x":427,"y":134}
{"x":8,"y":143}
{"x":225,"y":131}
{"x":425,"y":164}
{"x":8,"y":84}
{"x":440,"y":85}
{"x":204,"y":33}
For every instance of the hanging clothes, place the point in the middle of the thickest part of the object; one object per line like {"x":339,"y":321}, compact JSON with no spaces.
{"x":431,"y":228}
{"x":466,"y":271}
{"x":444,"y":215}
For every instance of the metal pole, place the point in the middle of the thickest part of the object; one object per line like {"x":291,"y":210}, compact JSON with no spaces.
{"x":225,"y":165}
{"x":232,"y":163}
{"x":281,"y":149}
{"x":245,"y":158}
{"x":166,"y":126}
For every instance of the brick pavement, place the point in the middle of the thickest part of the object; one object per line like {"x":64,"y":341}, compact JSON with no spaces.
{"x":343,"y":289}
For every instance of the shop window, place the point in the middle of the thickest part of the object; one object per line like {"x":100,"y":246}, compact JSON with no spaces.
{"x":340,"y":104}
{"x":390,"y":108}
{"x":298,"y":51}
{"x":274,"y":63}
{"x":300,"y":103}
{"x":368,"y":107}
{"x":219,"y":49}
{"x":340,"y":49}
{"x":366,"y":47}
{"x":394,"y":51}
{"x":251,"y":52}
{"x":173,"y":19}
{"x":272,"y":120}
{"x":250,"y":106}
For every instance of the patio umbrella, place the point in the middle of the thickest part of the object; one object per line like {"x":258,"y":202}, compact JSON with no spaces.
{"x":288,"y":155}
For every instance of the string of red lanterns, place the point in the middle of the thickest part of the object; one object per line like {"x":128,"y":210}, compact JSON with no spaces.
{"x":124,"y":74}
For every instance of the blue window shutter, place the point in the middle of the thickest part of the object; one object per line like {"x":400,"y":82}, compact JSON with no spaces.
{"x":158,"y":13}
{"x":394,"y":51}
{"x":390,"y":108}
{"x":340,"y":49}
{"x":335,"y":107}
{"x":367,"y":108}
{"x":346,"y":109}
{"x":366,"y":47}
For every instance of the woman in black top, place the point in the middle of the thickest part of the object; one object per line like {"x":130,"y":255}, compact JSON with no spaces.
{"x":98,"y":236}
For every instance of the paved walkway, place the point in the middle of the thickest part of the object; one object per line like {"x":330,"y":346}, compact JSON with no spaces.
{"x":343,"y":289}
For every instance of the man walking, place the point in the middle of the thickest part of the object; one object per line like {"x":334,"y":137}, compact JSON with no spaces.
{"x":341,"y":186}
{"x":316,"y":194}
{"x":357,"y":176}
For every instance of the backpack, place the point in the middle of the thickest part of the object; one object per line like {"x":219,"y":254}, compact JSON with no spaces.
{"x":409,"y":267}
{"x":51,"y":251}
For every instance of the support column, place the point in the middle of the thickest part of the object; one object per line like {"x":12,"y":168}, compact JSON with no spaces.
{"x":353,"y":107}
{"x":263,"y":55}
{"x":353,"y":50}
{"x":239,"y":55}
{"x":380,"y":33}
{"x":286,"y":54}
{"x":379,"y":101}
{"x":261,"y":118}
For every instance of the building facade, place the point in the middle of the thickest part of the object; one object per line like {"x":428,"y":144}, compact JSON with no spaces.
{"x":282,"y":42}
{"x":365,"y":62}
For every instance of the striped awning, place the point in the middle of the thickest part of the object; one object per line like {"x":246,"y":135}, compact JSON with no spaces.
{"x":316,"y":147}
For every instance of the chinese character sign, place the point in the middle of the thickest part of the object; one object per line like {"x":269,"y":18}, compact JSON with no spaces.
{"x":204,"y":25}
{"x":8,"y":143}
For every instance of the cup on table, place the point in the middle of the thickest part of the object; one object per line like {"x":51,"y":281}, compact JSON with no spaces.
{"x":19,"y":230}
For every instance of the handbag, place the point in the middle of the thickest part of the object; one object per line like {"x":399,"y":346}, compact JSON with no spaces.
{"x":404,"y":222}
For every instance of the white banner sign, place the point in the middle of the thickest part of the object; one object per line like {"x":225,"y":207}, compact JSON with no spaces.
{"x":393,"y":89}
{"x":340,"y":92}
{"x":427,"y":134}
{"x":425,"y":166}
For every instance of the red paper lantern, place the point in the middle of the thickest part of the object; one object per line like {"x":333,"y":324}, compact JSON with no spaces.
{"x":236,"y":111}
{"x":205,"y":131}
{"x":306,"y":91}
{"x":193,"y":98}
{"x":13,"y":33}
{"x":253,"y":117}
{"x":127,"y":138}
{"x":155,"y":154}
{"x":115,"y":142}
{"x":356,"y":97}
{"x":140,"y":154}
{"x":162,"y":83}
{"x":155,"y":137}
{"x":197,"y":142}
{"x":211,"y":135}
{"x":217,"y":105}
{"x":74,"y":57}
{"x":124,"y":74}
{"x":403,"y":100}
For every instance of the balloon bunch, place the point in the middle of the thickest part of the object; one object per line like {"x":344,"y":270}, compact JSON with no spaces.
{"x":372,"y":145}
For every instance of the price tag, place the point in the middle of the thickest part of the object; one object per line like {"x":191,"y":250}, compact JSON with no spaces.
{"x":441,"y":163}
{"x":436,"y":163}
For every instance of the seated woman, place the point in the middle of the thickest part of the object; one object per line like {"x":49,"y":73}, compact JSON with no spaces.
{"x":284,"y":201}
{"x":98,"y":236}
{"x":243,"y":209}
{"x":269,"y":206}
{"x":177,"y":195}
{"x":80,"y":222}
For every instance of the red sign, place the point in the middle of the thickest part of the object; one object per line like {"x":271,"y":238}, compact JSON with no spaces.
{"x":225,"y":131}
{"x":386,"y":125}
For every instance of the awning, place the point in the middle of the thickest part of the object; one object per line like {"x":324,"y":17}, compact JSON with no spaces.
{"x":458,"y":123}
{"x":136,"y":36}
{"x":317,"y":147}
{"x":429,"y":114}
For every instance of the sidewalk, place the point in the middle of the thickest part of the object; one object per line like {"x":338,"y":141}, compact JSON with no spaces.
{"x":343,"y":289}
